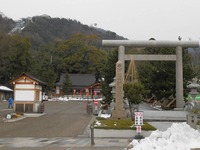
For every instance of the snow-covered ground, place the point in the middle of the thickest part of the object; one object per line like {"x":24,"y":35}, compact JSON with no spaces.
{"x":180,"y":136}
{"x":65,"y":98}
{"x":105,"y":115}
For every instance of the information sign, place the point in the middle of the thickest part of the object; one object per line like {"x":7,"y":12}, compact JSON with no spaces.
{"x":138,"y":118}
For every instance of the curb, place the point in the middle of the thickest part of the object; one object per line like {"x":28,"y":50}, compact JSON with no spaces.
{"x":13,"y":120}
{"x":113,"y":133}
{"x":23,"y":117}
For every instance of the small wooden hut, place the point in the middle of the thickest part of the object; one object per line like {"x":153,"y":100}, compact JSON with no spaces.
{"x":27,"y":94}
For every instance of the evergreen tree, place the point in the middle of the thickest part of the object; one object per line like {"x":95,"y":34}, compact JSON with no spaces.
{"x":79,"y":55}
{"x":15,"y":57}
{"x":43,"y":68}
{"x":160,"y":77}
{"x":20,"y":56}
{"x":66,"y":84}
{"x":133,"y":91}
{"x":109,"y":74}
{"x":5,"y":76}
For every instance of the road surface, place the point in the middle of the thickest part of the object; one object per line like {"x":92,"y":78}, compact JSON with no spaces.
{"x":61,"y":119}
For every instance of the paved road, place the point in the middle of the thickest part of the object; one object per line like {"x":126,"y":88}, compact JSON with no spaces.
{"x":63,"y":127}
{"x":62,"y":119}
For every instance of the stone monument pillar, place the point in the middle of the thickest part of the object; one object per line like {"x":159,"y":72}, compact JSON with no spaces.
{"x":118,"y":111}
{"x":121,"y":52}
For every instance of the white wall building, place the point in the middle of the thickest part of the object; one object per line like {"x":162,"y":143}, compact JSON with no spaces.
{"x":27,"y":93}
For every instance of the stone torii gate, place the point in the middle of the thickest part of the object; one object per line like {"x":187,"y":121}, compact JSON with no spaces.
{"x":121,"y":44}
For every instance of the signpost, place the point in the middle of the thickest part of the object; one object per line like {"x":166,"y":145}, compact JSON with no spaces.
{"x":138,"y":123}
{"x":96,"y":102}
{"x":96,"y":105}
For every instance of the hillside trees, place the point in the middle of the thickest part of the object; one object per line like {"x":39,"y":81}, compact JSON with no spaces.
{"x":75,"y":55}
{"x":6,"y":25}
{"x":15,"y":57}
{"x":78,"y":55}
{"x":44,"y":30}
{"x":20,"y":56}
{"x":46,"y":47}
{"x":42,"y":67}
{"x":4,"y":57}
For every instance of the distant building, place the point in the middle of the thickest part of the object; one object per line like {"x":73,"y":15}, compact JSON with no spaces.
{"x":27,"y":93}
{"x":5,"y":93}
{"x":81,"y":84}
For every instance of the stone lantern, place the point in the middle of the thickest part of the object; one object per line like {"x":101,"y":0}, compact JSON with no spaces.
{"x":112,"y":85}
{"x":194,"y":102}
{"x":194,"y":86}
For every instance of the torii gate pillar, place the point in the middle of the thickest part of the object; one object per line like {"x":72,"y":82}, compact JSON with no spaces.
{"x":179,"y":78}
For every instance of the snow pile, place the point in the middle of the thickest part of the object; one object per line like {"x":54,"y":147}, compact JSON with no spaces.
{"x":180,"y":136}
{"x":63,"y":99}
{"x":105,"y":115}
{"x":98,"y":123}
{"x":73,"y":98}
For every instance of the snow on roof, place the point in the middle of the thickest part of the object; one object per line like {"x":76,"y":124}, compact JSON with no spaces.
{"x":4,"y":88}
{"x":194,"y":85}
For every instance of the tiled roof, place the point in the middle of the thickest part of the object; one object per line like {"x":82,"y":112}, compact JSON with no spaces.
{"x":78,"y":80}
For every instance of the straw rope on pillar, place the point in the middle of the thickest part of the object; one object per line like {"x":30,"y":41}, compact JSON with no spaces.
{"x":131,"y":74}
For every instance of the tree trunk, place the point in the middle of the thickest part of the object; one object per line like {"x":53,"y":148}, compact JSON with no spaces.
{"x":131,"y":112}
{"x":136,"y":107}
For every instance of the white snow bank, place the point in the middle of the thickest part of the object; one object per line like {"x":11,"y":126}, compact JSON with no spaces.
{"x":180,"y":136}
{"x":105,"y":115}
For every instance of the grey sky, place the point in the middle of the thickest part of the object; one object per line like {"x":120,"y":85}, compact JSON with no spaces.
{"x":133,"y":19}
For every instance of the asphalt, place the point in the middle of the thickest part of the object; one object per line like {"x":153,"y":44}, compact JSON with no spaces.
{"x":83,"y":140}
{"x":30,"y":138}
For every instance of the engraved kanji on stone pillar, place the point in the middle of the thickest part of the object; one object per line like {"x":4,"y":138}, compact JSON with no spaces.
{"x":118,"y":111}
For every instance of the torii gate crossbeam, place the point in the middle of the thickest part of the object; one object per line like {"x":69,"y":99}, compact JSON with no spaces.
{"x":121,"y":44}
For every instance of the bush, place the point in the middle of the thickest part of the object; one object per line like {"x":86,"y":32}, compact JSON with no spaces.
{"x":198,"y":122}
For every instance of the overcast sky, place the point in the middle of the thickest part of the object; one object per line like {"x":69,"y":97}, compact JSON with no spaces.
{"x":133,"y":19}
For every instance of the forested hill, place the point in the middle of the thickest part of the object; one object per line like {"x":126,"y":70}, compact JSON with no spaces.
{"x":46,"y":47}
{"x":6,"y":24}
{"x":44,"y":29}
